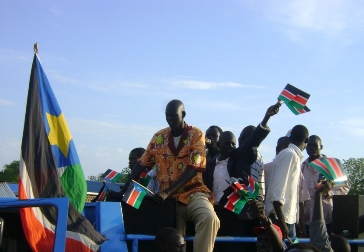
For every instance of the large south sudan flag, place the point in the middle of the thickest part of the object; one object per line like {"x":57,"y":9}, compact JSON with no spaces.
{"x":50,"y":168}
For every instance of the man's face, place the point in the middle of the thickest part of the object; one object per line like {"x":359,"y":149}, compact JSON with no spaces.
{"x":263,"y":244}
{"x":174,"y":116}
{"x":213,"y":134}
{"x":133,"y":157}
{"x":177,"y":244}
{"x":313,"y":148}
{"x":227,"y":144}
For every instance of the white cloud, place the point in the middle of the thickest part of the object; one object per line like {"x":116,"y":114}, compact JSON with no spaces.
{"x":205,"y":85}
{"x":354,"y":126}
{"x":329,"y":18}
{"x":6,"y":102}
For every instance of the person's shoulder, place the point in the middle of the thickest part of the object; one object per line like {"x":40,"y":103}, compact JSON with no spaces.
{"x":194,"y":129}
{"x":163,"y":131}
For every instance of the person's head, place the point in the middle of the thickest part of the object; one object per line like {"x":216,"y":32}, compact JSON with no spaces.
{"x":263,"y":243}
{"x":175,"y":113}
{"x":168,"y":239}
{"x":213,"y":133}
{"x":227,"y":144}
{"x":314,"y":147}
{"x":299,"y":136}
{"x":339,"y":243}
{"x":134,"y":155}
{"x":245,"y":134}
{"x":302,"y":247}
{"x":282,"y":143}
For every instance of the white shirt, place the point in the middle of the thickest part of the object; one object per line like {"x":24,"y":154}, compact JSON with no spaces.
{"x":283,"y":182}
{"x":257,"y":173}
{"x":221,"y":174}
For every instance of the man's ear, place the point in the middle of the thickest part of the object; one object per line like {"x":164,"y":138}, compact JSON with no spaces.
{"x":306,"y":140}
{"x":183,"y":114}
{"x":321,"y":146}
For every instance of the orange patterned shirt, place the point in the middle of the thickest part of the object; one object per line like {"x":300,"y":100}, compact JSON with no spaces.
{"x":171,"y":163}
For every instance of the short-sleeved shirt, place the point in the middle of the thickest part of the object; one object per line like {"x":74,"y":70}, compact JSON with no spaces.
{"x":172,"y":162}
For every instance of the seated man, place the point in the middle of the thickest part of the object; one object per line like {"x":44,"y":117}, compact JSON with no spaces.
{"x":168,"y":239}
{"x":179,"y":154}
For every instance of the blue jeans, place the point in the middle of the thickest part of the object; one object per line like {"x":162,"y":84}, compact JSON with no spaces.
{"x":291,"y":231}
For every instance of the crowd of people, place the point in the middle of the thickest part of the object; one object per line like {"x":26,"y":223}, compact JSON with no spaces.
{"x":194,"y":167}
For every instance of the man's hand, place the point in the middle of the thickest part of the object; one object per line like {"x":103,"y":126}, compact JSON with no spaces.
{"x":272,"y":110}
{"x":160,"y":197}
{"x":257,"y":208}
{"x":325,"y":187}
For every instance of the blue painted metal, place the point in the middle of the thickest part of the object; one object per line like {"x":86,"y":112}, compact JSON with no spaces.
{"x":60,"y":203}
{"x":107,"y":219}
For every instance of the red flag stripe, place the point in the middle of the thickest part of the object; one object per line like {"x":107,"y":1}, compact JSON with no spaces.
{"x":111,"y":175}
{"x":335,"y":167}
{"x":133,"y":197}
{"x":33,"y":217}
{"x":288,"y":94}
{"x":229,"y":206}
{"x":252,"y":183}
{"x":321,"y":164}
{"x":233,"y":197}
{"x":300,"y":99}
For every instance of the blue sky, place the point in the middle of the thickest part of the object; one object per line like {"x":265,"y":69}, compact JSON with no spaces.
{"x":114,"y":65}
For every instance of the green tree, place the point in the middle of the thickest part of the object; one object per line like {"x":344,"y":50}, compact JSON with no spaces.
{"x":10,"y":173}
{"x":354,"y":168}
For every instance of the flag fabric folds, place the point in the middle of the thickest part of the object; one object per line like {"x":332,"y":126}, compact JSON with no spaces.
{"x":144,"y":179}
{"x":102,"y":193}
{"x":295,"y":99}
{"x":50,"y":168}
{"x":111,"y":176}
{"x":238,"y":194}
{"x":135,"y":194}
{"x":330,"y":168}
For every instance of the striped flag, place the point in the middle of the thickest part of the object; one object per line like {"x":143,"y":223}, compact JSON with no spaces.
{"x":102,"y":193}
{"x":135,"y":194}
{"x":49,"y":168}
{"x":111,"y":176}
{"x":238,"y":194}
{"x":144,"y":179}
{"x":298,"y":111}
{"x":294,"y":96}
{"x":330,"y":168}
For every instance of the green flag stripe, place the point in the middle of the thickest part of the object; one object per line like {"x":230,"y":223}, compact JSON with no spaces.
{"x":73,"y":182}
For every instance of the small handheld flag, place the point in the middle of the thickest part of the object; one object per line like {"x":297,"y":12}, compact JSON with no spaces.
{"x":111,"y":176}
{"x":295,"y":99}
{"x":238,"y":194}
{"x":102,"y":193}
{"x":330,"y":168}
{"x":144,"y":178}
{"x":135,"y":194}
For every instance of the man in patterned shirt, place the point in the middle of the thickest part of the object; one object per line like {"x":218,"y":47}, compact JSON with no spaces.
{"x":178,"y":152}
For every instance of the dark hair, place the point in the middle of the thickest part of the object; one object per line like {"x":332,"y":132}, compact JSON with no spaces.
{"x":339,"y":243}
{"x":315,"y":138}
{"x":140,"y":151}
{"x":165,"y":234}
{"x":299,"y":134}
{"x":303,"y":246}
{"x":216,"y":127}
{"x":248,"y":130}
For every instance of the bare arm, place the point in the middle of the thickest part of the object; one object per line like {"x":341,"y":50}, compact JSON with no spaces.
{"x":257,"y":209}
{"x":281,"y":221}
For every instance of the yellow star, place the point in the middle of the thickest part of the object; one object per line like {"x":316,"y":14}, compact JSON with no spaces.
{"x":59,"y":133}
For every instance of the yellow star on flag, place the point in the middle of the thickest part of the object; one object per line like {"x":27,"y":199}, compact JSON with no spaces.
{"x":59,"y":133}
